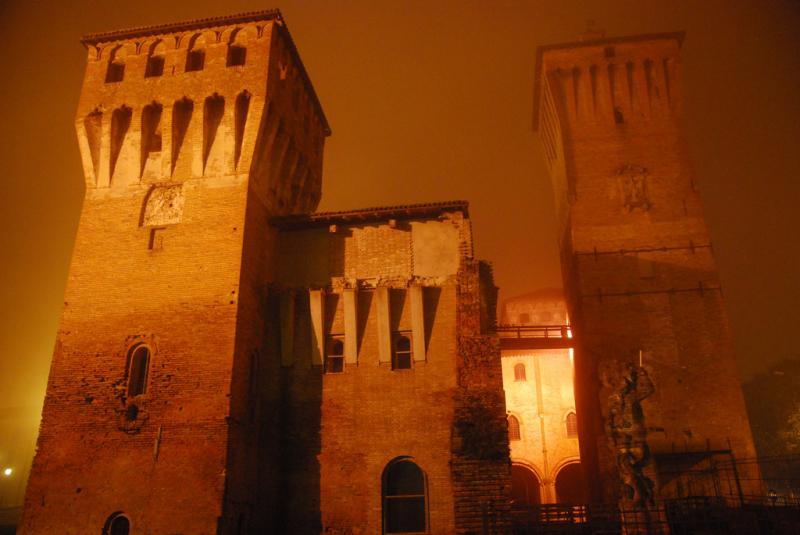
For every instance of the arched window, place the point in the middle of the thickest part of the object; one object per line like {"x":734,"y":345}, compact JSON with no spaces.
{"x":513,"y":428}
{"x":519,"y":372}
{"x":116,"y":65}
{"x":117,"y":524}
{"x":196,"y":54}
{"x":334,"y":360}
{"x":401,"y":356}
{"x":404,"y":507}
{"x":572,"y":425}
{"x":138,"y":365}
{"x":155,"y":60}
{"x":237,"y":52}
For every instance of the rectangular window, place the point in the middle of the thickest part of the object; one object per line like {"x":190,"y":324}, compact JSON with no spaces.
{"x":401,"y":352}
{"x":334,"y":357}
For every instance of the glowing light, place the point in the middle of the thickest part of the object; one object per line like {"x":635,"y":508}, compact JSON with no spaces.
{"x":8,"y":471}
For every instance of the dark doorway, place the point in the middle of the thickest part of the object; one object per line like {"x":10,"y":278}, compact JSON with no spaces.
{"x":571,"y":485}
{"x":525,"y":486}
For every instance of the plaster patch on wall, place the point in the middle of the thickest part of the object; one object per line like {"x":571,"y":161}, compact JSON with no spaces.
{"x":163,"y":206}
{"x":436,"y":248}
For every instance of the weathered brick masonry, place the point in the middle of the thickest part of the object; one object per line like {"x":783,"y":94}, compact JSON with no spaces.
{"x":185,"y":161}
{"x":639,"y":273}
{"x":384,"y":273}
{"x":227,"y":365}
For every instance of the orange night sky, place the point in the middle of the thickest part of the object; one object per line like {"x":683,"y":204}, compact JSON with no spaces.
{"x":431,"y":101}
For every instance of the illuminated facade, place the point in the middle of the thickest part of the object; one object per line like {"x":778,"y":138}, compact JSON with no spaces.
{"x":540,"y":400}
{"x":656,"y":381}
{"x":226,"y":363}
{"x":229,"y":361}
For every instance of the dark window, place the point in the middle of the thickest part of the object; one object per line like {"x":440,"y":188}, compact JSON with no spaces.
{"x":519,"y":372}
{"x":513,"y":428}
{"x":137,"y":370}
{"x":117,"y":524}
{"x":334,"y":360}
{"x":195,"y":60}
{"x":196,"y":54}
{"x":404,"y":498}
{"x":618,"y":118}
{"x":524,"y":318}
{"x":236,"y":55}
{"x":155,"y":60}
{"x":116,"y":66}
{"x":401,"y":356}
{"x":572,"y":425}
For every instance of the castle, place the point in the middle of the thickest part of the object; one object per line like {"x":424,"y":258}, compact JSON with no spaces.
{"x":229,"y":361}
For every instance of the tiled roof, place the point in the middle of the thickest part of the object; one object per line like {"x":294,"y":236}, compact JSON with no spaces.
{"x":171,"y":27}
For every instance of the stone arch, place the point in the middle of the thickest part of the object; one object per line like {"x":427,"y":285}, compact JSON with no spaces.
{"x":570,"y":482}
{"x":526,"y":484}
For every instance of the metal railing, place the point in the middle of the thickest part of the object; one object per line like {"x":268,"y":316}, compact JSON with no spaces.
{"x":533,"y":331}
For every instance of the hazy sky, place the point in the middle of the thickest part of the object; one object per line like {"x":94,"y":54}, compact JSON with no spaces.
{"x":431,"y":101}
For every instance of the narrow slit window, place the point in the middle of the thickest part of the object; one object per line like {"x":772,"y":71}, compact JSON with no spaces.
{"x":138,"y":368}
{"x":334,"y":359}
{"x":572,"y":425}
{"x":513,"y":428}
{"x":401,"y":356}
{"x":519,"y":372}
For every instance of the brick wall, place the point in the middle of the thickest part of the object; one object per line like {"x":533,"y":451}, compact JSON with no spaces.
{"x":174,"y":251}
{"x":638,"y":266}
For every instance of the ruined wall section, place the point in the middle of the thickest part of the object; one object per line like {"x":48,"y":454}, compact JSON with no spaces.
{"x":365,"y":284}
{"x":639,"y":272}
{"x":481,"y":467}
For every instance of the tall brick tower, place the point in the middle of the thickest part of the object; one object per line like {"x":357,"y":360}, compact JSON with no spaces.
{"x":639,"y":273}
{"x":192,"y":136}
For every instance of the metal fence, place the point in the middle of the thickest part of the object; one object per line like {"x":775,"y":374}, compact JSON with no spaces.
{"x":708,"y":494}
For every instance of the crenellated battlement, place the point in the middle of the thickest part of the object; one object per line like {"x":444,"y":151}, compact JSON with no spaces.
{"x":610,"y":82}
{"x":224,"y":97}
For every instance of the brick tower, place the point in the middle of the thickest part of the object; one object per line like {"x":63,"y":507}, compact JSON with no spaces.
{"x":639,"y":273}
{"x":192,"y":136}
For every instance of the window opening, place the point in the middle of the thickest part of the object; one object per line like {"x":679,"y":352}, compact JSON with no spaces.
{"x":513,"y":428}
{"x":404,"y":498}
{"x":401,"y":356}
{"x":137,"y":370}
{"x":116,"y":65}
{"x":196,"y":54}
{"x":155,"y":60}
{"x":519,"y":372}
{"x":572,"y":425}
{"x":334,"y":359}
{"x":117,"y":524}
{"x":237,"y":52}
